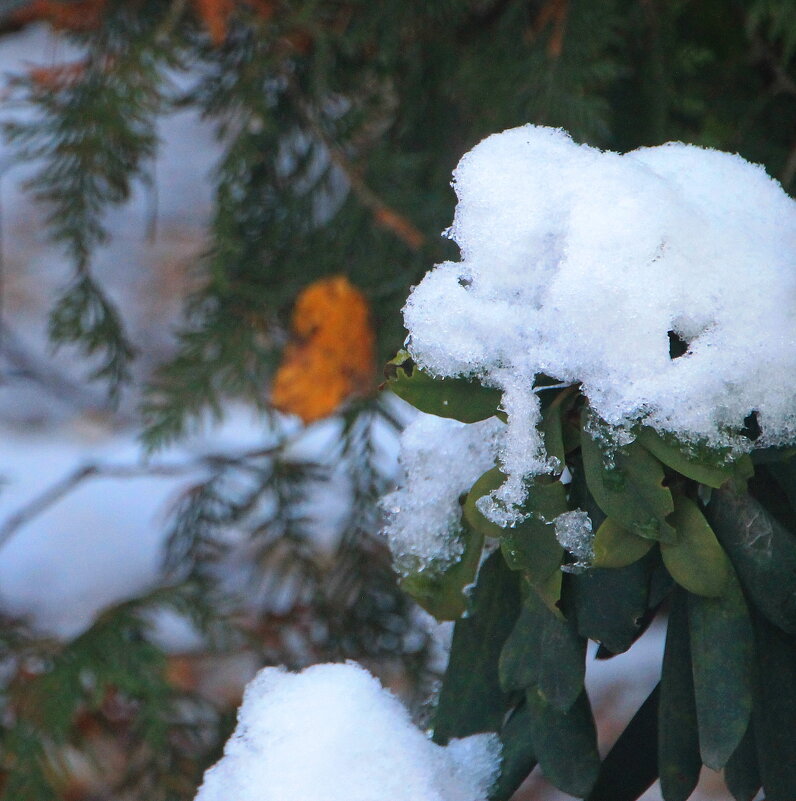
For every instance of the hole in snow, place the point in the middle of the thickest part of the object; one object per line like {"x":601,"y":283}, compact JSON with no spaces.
{"x":677,"y":345}
{"x":751,"y":426}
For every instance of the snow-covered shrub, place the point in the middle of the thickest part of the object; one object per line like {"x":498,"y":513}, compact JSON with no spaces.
{"x":631,"y":320}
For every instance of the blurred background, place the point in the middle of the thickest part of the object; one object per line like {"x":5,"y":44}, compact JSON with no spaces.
{"x":211,"y":213}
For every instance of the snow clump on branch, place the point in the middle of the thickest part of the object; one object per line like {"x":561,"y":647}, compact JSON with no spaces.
{"x":584,"y":265}
{"x":332,"y":733}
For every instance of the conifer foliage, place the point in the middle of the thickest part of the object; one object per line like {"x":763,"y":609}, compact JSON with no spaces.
{"x":339,"y":124}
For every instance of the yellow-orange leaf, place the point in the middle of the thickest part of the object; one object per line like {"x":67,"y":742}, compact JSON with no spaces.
{"x":331,"y":355}
{"x":74,"y":16}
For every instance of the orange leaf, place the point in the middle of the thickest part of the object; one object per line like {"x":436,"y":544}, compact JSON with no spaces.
{"x":84,"y":15}
{"x":330,"y":357}
{"x":215,"y":16}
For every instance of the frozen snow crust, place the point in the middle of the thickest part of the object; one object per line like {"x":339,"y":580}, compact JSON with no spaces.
{"x":577,"y":263}
{"x":332,"y":733}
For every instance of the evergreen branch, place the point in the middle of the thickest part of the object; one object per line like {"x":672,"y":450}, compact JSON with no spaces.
{"x":93,"y":133}
{"x":84,"y":316}
{"x":384,"y":215}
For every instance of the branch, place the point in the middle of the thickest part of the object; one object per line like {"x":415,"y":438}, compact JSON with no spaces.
{"x":64,"y":486}
{"x":385,"y":216}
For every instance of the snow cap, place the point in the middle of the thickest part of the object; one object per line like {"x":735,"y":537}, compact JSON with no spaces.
{"x":585,"y":265}
{"x":333,"y":733}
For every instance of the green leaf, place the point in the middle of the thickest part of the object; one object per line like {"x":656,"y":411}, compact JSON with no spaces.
{"x":458,"y":398}
{"x":565,"y":743}
{"x":489,"y":481}
{"x":631,"y":765}
{"x":775,"y":710}
{"x":518,"y":757}
{"x":531,"y":546}
{"x":722,"y":654}
{"x":610,"y":603}
{"x":615,"y":546}
{"x":545,"y":650}
{"x":441,"y":593}
{"x":553,"y":432}
{"x":632,"y":491}
{"x":741,"y":772}
{"x":696,"y":561}
{"x":471,"y":699}
{"x":762,"y":551}
{"x":679,"y":760}
{"x":706,"y":469}
{"x":784,"y":474}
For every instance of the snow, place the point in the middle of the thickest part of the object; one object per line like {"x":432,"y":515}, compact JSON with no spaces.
{"x":577,"y":263}
{"x":441,"y":459}
{"x":574,"y":532}
{"x":332,"y":733}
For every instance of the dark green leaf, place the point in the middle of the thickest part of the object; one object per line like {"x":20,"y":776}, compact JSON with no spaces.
{"x":610,"y":603}
{"x":741,"y":772}
{"x":441,"y":593}
{"x":784,"y":474}
{"x":722,"y":654}
{"x":565,"y":743}
{"x":531,"y":545}
{"x":457,"y":398}
{"x":518,"y":757}
{"x":775,"y":710}
{"x":489,"y":481}
{"x":631,"y":491}
{"x":696,"y":561}
{"x":471,"y":699}
{"x":615,"y":546}
{"x":762,"y":551}
{"x":678,"y":734}
{"x":706,"y":468}
{"x":632,"y":764}
{"x":553,"y":432}
{"x":545,"y":650}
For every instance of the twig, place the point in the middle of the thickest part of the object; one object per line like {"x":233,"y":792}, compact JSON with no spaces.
{"x":384,"y":215}
{"x":62,"y":488}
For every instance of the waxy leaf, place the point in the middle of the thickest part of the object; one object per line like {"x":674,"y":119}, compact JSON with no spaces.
{"x":610,"y":604}
{"x":679,"y":760}
{"x":544,"y":650}
{"x":775,"y":710}
{"x":631,"y":766}
{"x":518,"y":757}
{"x":741,"y":772}
{"x":489,"y":481}
{"x":441,"y":593}
{"x":565,"y":743}
{"x":761,"y":550}
{"x":696,"y":561}
{"x":531,"y":546}
{"x":616,"y":546}
{"x":722,"y":654}
{"x":458,"y":398}
{"x":471,"y":699}
{"x":631,"y":492}
{"x":707,"y":470}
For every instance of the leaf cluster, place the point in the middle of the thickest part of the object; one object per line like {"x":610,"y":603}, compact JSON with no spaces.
{"x":709,"y":536}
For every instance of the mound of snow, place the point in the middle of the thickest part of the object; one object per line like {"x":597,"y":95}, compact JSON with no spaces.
{"x":582,"y":265}
{"x":332,"y":733}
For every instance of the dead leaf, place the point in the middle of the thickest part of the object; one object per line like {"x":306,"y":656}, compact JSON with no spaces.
{"x":330,"y":357}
